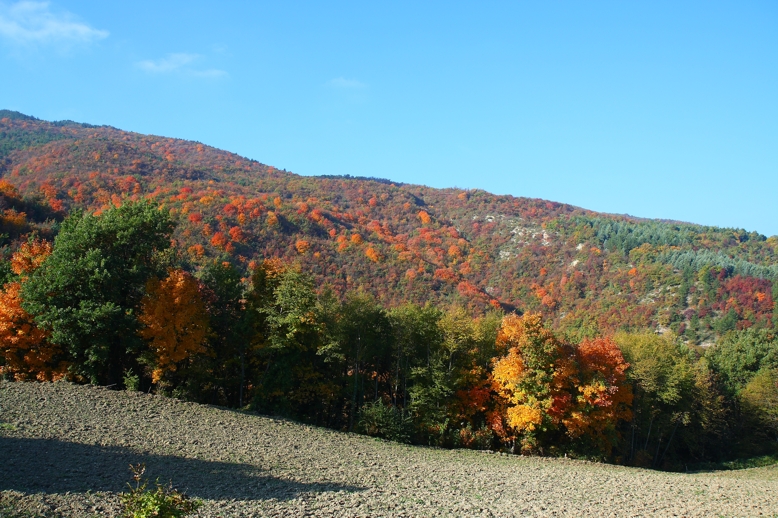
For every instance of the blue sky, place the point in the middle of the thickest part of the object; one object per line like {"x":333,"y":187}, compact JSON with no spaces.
{"x":656,"y":109}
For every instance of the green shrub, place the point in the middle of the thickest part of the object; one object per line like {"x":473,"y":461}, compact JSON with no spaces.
{"x":379,"y":420}
{"x":131,"y":381}
{"x":160,"y":502}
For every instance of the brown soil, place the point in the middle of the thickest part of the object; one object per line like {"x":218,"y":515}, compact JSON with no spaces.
{"x":65,"y":450}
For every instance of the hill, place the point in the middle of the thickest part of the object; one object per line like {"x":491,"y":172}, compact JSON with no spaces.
{"x":61,"y":457}
{"x":586,"y":272}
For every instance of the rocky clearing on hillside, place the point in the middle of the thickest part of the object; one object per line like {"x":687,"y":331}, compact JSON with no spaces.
{"x":65,"y":450}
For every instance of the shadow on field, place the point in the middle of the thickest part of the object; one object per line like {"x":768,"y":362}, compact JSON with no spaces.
{"x":51,"y":466}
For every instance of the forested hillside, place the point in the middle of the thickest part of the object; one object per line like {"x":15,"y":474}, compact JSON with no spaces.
{"x":585,"y":272}
{"x":444,"y":317}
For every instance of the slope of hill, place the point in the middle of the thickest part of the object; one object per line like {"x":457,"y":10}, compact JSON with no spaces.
{"x":62,"y":457}
{"x":585,"y":271}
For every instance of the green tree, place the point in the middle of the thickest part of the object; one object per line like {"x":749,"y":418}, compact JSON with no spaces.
{"x":708,"y":433}
{"x":739,"y":355}
{"x":747,"y":362}
{"x":229,"y":340}
{"x":421,"y":376}
{"x":87,"y":293}
{"x":6,"y":274}
{"x":449,"y":374}
{"x":362,"y":345}
{"x":775,"y":304}
{"x":416,"y":336}
{"x":759,"y":399}
{"x":663,"y":380}
{"x":727,"y":322}
{"x":294,"y":380}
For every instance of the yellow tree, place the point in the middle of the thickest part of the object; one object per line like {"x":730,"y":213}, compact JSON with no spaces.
{"x":530,"y":377}
{"x":551,"y":392}
{"x":175,"y":320}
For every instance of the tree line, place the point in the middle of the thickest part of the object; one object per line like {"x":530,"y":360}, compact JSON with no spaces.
{"x":113,"y":301}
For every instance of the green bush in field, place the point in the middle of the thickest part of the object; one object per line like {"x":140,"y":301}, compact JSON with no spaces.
{"x":379,"y":420}
{"x":160,"y":502}
{"x":131,"y":381}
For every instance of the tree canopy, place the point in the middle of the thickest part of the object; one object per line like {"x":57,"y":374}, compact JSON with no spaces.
{"x":87,"y":293}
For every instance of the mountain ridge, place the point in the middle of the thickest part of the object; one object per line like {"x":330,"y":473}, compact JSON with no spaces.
{"x":405,"y":242}
{"x":12,"y":114}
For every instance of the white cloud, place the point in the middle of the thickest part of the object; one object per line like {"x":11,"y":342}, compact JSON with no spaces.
{"x":341,"y":82}
{"x":168,"y":64}
{"x":178,"y":62}
{"x":28,"y":22}
{"x":211,"y":72}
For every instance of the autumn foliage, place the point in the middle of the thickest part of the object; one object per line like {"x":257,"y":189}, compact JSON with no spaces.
{"x":601,"y":397}
{"x":295,"y":348}
{"x":548,"y":387}
{"x":175,"y":320}
{"x":30,"y":256}
{"x":302,"y":246}
{"x":594,"y":268}
{"x":527,"y":377}
{"x":26,"y":351}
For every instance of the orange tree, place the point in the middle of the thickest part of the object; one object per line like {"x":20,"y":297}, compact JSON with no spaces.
{"x":25,"y":349}
{"x":175,"y":321}
{"x":601,"y":396}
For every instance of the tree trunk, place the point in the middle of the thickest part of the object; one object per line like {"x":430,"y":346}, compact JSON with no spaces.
{"x":669,"y":442}
{"x":354,"y":393}
{"x":242,"y":376}
{"x":655,"y":459}
{"x":396,"y":378}
{"x":645,"y":446}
